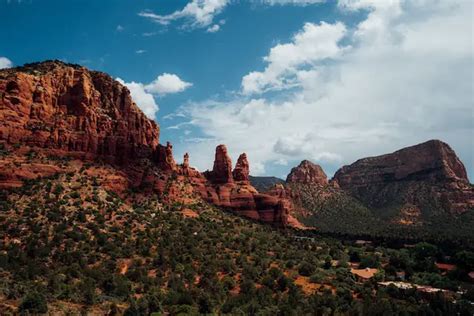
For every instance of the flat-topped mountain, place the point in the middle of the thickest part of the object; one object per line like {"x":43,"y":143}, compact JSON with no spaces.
{"x":427,"y":171}
{"x":422,"y":190}
{"x":69,"y":108}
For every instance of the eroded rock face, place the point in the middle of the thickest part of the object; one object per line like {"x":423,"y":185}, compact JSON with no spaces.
{"x":222,"y":170}
{"x":425,"y":173}
{"x":307,"y":173}
{"x":165,"y":159}
{"x":67,"y":107}
{"x":67,"y":110}
{"x":233,"y":191}
{"x":241,"y":170}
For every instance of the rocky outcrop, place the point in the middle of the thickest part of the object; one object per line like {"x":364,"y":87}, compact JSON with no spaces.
{"x":241,"y":170}
{"x":165,"y":158}
{"x":307,"y":173}
{"x":222,"y":170}
{"x":427,"y":173}
{"x":69,"y":108}
{"x":233,"y":191}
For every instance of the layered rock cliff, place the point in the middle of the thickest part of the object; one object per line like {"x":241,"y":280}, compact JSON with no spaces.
{"x":66,"y":110}
{"x":231,"y":189}
{"x":72,"y":109}
{"x":427,"y":173}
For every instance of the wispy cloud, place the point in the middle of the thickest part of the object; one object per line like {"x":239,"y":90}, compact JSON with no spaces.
{"x":201,"y":13}
{"x":196,"y":14}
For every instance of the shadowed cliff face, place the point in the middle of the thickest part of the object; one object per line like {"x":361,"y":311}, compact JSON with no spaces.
{"x":427,"y":172}
{"x":71,"y":109}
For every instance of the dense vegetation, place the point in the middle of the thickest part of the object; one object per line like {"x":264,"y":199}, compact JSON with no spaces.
{"x":71,"y":246}
{"x":333,"y":211}
{"x":263,"y":184}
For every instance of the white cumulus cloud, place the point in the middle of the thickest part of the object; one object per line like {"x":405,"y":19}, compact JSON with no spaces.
{"x":167,"y":84}
{"x":144,"y":94}
{"x":312,"y":45}
{"x":402,"y":75}
{"x":5,"y":63}
{"x":144,"y":100}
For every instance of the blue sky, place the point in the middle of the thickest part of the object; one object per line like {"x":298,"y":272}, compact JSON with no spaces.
{"x":283,"y":80}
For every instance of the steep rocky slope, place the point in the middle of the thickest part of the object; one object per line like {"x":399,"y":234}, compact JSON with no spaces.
{"x":419,"y":192}
{"x":427,"y":173}
{"x":308,"y":173}
{"x":54,"y":111}
{"x":71,"y":109}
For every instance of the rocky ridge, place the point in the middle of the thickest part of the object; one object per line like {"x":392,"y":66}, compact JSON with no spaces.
{"x":67,"y":111}
{"x":427,"y":172}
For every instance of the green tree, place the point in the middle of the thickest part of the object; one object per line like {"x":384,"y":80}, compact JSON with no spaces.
{"x":34,"y":303}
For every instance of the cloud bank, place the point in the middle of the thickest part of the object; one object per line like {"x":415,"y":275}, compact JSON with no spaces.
{"x":334,"y":94}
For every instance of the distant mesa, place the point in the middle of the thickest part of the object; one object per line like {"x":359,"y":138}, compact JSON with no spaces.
{"x":429,"y":171}
{"x":426,"y":176}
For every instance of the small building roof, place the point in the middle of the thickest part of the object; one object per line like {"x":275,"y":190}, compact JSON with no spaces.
{"x":366,"y":273}
{"x":445,"y":266}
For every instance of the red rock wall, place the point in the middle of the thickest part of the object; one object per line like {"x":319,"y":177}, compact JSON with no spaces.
{"x":430,"y":171}
{"x":66,"y":107}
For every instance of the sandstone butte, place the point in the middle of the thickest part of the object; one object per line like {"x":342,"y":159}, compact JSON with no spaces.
{"x":68,"y":110}
{"x":425,"y":173}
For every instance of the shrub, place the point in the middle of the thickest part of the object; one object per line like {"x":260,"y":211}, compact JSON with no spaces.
{"x":33,"y":302}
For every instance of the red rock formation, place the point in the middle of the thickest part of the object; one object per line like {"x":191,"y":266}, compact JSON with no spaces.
{"x":222,"y":171}
{"x":307,"y":173}
{"x":186,"y":170}
{"x":67,"y":107}
{"x":165,"y":159}
{"x":241,"y":170}
{"x":239,"y":196}
{"x":68,"y":110}
{"x":430,"y":171}
{"x":186,"y":160}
